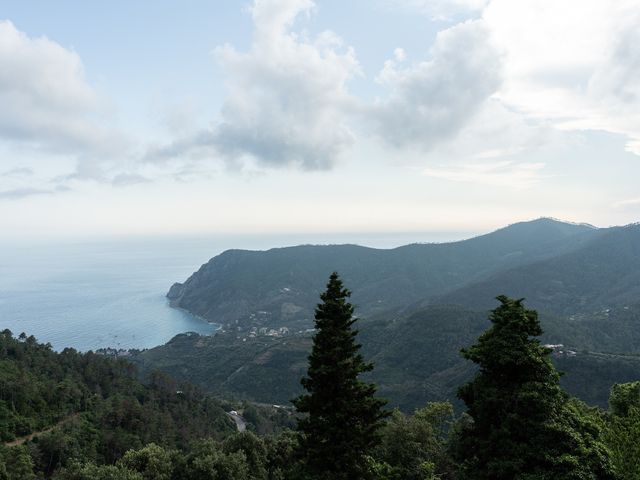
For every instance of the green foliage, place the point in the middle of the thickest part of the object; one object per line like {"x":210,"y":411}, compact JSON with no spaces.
{"x":622,"y":432}
{"x":254,"y":451}
{"x":152,"y":461}
{"x":89,"y":471}
{"x":415,"y":447}
{"x":267,"y":420}
{"x":416,"y":356}
{"x":92,"y":408}
{"x":624,"y":397}
{"x":206,"y":461}
{"x":281,"y":456}
{"x":589,"y":375}
{"x":523,"y":425}
{"x":342,"y":415}
{"x":16,"y":463}
{"x":91,"y":418}
{"x":263,"y":369}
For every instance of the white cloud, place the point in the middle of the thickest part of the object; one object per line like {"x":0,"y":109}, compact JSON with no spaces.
{"x":125,"y":179}
{"x":495,"y":132}
{"x":497,"y":174}
{"x":46,"y":101}
{"x":494,"y":87}
{"x":49,"y":110}
{"x":574,"y":63}
{"x":176,"y":116}
{"x":399,"y":54}
{"x":25,"y":192}
{"x":627,"y":203}
{"x":495,"y":147}
{"x":18,"y":172}
{"x":287,"y":98}
{"x":431,"y":101}
{"x":19,"y":193}
{"x":441,"y":9}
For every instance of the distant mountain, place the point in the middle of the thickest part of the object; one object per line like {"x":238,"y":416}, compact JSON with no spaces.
{"x":599,"y":274}
{"x":280,"y":286}
{"x":419,"y":304}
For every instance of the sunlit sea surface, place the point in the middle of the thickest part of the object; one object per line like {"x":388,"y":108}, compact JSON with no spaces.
{"x":90,"y":293}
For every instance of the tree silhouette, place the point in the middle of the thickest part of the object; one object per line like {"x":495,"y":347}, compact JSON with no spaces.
{"x":343,"y":416}
{"x":523,"y":425}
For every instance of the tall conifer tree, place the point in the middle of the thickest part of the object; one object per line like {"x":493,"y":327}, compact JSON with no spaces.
{"x":343,"y":416}
{"x":523,"y":425}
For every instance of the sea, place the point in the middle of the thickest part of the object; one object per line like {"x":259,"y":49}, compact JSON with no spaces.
{"x":109,"y":292}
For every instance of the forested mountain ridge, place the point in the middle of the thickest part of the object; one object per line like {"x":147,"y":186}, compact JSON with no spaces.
{"x":417,"y":357}
{"x":95,"y":421}
{"x":585,"y":282}
{"x":603,"y":273}
{"x":99,"y":407}
{"x":278,"y":287}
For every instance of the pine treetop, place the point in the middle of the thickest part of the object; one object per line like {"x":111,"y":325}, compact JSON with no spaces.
{"x":343,"y":416}
{"x":523,"y":426}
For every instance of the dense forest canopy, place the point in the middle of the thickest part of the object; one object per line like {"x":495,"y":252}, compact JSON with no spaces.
{"x":80,"y":416}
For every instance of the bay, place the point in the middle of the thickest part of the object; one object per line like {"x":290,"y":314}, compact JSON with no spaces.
{"x":110,"y":292}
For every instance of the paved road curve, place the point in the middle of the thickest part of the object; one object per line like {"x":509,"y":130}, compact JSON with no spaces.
{"x":241,"y":424}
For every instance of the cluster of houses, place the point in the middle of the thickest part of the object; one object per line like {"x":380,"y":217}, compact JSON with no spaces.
{"x":559,"y":349}
{"x":268,"y":332}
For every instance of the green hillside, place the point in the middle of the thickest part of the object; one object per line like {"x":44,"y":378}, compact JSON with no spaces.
{"x":417,"y":358}
{"x":604,"y":273}
{"x":279,"y":286}
{"x":70,"y":405}
{"x":420,"y":304}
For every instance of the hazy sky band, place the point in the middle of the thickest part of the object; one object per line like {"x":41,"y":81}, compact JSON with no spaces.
{"x":293,"y":115}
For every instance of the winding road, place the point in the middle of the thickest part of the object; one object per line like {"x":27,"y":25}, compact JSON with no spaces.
{"x":26,"y":438}
{"x":241,"y":424}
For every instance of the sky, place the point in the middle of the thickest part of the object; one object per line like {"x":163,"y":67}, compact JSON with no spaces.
{"x":277,"y":116}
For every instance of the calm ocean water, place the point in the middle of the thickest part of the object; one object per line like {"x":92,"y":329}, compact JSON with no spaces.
{"x":111,"y":293}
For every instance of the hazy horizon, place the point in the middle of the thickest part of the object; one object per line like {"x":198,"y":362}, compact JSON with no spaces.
{"x":276,"y":116}
{"x":109,"y":291}
{"x":265,"y":240}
